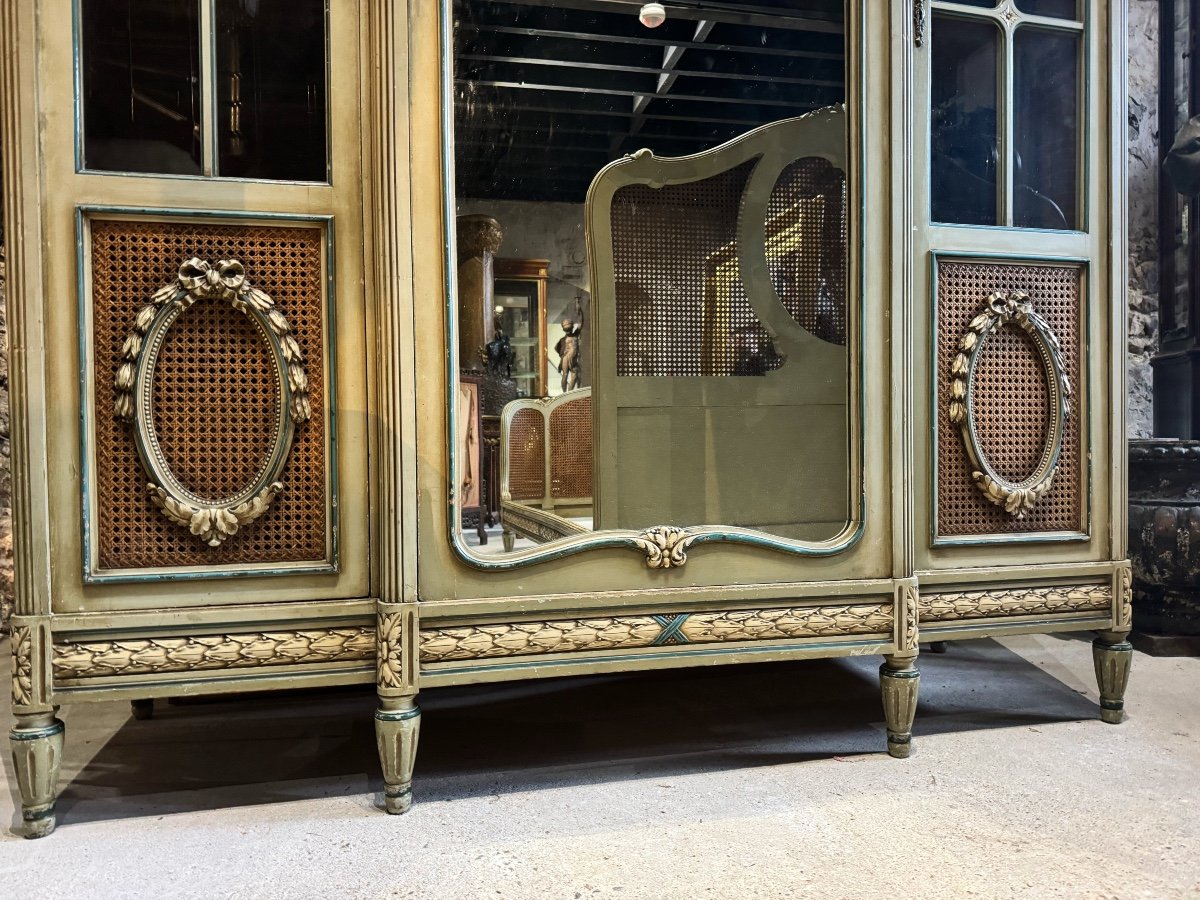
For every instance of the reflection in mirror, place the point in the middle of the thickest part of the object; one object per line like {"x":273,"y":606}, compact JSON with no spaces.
{"x":656,"y":336}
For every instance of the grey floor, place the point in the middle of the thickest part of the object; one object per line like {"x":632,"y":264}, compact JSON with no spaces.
{"x":758,"y":781}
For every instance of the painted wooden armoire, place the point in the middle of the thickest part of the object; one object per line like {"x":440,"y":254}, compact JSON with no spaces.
{"x":820,"y":350}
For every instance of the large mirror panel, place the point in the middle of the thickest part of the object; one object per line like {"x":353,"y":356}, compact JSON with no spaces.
{"x":656,"y":318}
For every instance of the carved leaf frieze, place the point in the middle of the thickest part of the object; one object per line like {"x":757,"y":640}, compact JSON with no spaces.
{"x":948,"y":607}
{"x":609,"y":633}
{"x":208,"y":652}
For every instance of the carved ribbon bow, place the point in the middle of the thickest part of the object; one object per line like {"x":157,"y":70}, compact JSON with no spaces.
{"x":221,"y":279}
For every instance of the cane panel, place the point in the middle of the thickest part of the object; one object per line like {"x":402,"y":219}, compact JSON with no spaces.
{"x":1011,"y":397}
{"x":527,"y":455}
{"x":571,"y":449}
{"x":216,"y":393}
{"x":681,"y":307}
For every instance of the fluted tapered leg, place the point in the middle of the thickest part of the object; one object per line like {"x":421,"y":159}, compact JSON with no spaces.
{"x":37,"y":746}
{"x":899,"y":680}
{"x":397,"y":726}
{"x":1112,"y":655}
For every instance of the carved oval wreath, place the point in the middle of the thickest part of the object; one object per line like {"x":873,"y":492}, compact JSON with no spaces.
{"x":210,"y":520}
{"x":1010,"y":308}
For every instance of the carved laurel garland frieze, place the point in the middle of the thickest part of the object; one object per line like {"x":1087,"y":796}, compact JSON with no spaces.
{"x":22,"y":665}
{"x":949,"y":607}
{"x":100,"y":659}
{"x":623,"y":632}
{"x":1010,"y":308}
{"x":224,"y":281}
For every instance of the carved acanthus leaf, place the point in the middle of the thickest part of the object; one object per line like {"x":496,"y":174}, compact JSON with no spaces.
{"x":390,"y":650}
{"x":22,"y":665}
{"x":665,"y":546}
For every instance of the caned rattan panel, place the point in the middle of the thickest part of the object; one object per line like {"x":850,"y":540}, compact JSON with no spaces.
{"x":193,"y":388}
{"x":527,"y":459}
{"x":571,"y":449}
{"x":681,"y":307}
{"x":216,"y":393}
{"x":1010,"y":407}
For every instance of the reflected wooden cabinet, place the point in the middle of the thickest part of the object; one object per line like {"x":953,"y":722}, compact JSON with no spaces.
{"x":852,"y":352}
{"x":519,"y":296}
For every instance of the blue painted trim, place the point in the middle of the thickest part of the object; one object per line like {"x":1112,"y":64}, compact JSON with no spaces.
{"x":671,"y":633}
{"x":937,"y":540}
{"x":36,"y":734}
{"x":94,"y":575}
{"x":855,"y":527}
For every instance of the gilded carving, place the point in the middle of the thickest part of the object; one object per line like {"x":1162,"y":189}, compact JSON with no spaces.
{"x":665,"y":546}
{"x":390,"y":650}
{"x":210,"y":652}
{"x":1017,"y":602}
{"x":1004,"y":308}
{"x":909,"y":634}
{"x":1125,"y":598}
{"x":799,"y":622}
{"x":213,"y":524}
{"x":211,"y":521}
{"x":623,"y":632}
{"x":22,"y":665}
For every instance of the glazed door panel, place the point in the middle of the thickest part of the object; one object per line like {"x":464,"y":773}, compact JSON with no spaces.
{"x":209,"y":361}
{"x":1012,"y":286}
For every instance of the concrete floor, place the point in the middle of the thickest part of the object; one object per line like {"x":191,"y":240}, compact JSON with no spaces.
{"x":758,"y":781}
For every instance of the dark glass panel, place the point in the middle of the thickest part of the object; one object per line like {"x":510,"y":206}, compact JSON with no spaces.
{"x":1058,"y":9}
{"x":141,"y":86}
{"x":964,"y":140}
{"x":1046,"y":129}
{"x":271,"y":92}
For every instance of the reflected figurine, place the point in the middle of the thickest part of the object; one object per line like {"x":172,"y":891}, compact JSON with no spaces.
{"x":499,"y":353}
{"x":570,"y":349}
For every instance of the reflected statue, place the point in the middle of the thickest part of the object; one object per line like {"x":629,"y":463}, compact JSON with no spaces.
{"x":570,"y":348}
{"x":499,"y":353}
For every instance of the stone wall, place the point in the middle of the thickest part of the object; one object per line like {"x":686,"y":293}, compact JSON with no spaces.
{"x":1143,"y":211}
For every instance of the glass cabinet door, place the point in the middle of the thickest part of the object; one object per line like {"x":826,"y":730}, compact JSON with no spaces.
{"x":519,"y":296}
{"x":1009,"y":280}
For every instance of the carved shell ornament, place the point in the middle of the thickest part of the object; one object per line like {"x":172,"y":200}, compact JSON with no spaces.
{"x":211,"y":521}
{"x":1010,"y":308}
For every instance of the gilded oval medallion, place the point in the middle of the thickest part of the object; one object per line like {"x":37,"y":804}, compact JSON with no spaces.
{"x":212,"y":497}
{"x":1010,"y":309}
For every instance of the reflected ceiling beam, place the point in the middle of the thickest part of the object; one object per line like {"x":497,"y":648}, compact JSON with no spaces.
{"x":667,"y":72}
{"x":625,"y":114}
{"x":703,"y":10}
{"x":671,"y":57}
{"x":593,"y":37}
{"x":609,"y":92}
